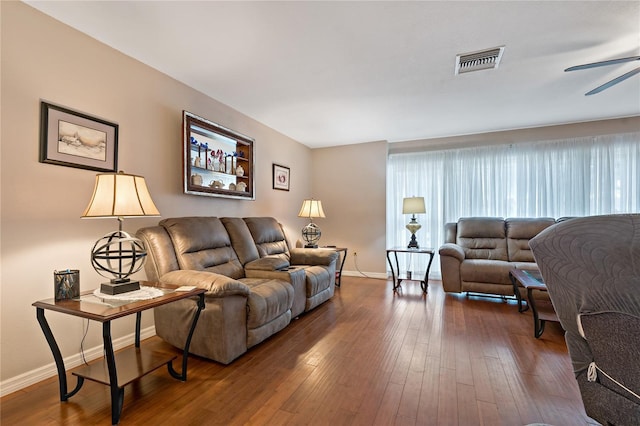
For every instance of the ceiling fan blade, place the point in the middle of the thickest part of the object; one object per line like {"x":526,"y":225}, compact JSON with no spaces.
{"x":613,"y":82}
{"x":603,"y":63}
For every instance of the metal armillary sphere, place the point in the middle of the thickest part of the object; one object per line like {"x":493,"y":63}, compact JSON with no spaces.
{"x":311,"y":234}
{"x":118,"y":255}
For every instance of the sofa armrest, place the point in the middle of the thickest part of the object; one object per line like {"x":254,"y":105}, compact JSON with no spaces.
{"x":453,"y":250}
{"x":313,"y":256}
{"x":216,"y":285}
{"x":267,"y":264}
{"x":451,"y":256}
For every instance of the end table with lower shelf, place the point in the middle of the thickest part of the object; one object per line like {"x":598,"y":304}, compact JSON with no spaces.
{"x":397,"y":279}
{"x":133,"y":362}
{"x":342,"y":253}
{"x":542,"y":309}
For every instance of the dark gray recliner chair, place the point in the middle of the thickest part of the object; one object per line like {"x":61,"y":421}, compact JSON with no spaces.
{"x":591,"y":267}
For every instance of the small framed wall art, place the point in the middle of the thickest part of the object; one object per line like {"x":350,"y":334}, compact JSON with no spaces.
{"x":280,"y":177}
{"x":74,"y":139}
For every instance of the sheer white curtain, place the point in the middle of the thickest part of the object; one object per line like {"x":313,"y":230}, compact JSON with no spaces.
{"x":573,"y":177}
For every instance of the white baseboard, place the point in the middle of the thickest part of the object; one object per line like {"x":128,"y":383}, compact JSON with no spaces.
{"x":34,"y":376}
{"x":384,"y":276}
{"x":377,"y":275}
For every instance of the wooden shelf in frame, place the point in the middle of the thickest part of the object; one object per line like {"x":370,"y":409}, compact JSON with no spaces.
{"x":218,"y":162}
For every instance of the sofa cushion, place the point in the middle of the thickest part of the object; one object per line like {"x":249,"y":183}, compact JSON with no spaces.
{"x":161,"y":257}
{"x":486,"y":271}
{"x":268,"y":237}
{"x":450,"y":232}
{"x":318,"y":279}
{"x":267,"y":300}
{"x":320,"y":285}
{"x":267,"y":264}
{"x":202,"y":244}
{"x":482,"y":238}
{"x":217,"y":285}
{"x":241,"y":239}
{"x":519,"y":232}
{"x":294,"y":275}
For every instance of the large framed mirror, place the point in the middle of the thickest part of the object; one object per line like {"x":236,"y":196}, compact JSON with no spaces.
{"x":218,"y":162}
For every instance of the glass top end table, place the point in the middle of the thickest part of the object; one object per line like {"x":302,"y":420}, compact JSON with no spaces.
{"x":395,"y":274}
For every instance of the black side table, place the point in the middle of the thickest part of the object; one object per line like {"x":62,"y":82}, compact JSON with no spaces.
{"x":342,"y":252}
{"x":397,"y":278}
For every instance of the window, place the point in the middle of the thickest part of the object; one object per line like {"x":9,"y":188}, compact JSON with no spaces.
{"x":575,"y":177}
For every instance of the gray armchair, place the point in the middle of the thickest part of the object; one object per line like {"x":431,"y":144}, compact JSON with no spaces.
{"x":591,"y":267}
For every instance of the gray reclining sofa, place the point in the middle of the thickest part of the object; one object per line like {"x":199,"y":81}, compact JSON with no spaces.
{"x":255,"y":282}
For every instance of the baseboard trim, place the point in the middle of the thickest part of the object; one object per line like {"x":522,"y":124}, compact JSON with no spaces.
{"x":377,"y":275}
{"x":39,"y":374}
{"x":383,"y":276}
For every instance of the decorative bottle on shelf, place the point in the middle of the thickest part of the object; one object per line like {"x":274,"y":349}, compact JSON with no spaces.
{"x":239,"y":171}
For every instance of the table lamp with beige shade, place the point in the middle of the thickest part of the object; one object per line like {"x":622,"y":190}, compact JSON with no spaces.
{"x":413,"y":206}
{"x":311,"y":233}
{"x":117,"y":255}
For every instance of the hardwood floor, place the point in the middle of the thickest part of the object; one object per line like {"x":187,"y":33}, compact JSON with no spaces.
{"x":365,"y":357}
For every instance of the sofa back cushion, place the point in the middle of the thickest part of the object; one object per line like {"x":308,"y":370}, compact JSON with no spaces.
{"x":203,"y":244}
{"x":450,"y":232}
{"x":241,"y":239}
{"x":482,"y":238}
{"x":519,"y":232}
{"x":268,"y":237}
{"x":161,"y":257}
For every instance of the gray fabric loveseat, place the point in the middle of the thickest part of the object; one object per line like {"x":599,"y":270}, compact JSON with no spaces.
{"x":479,"y":252}
{"x":255,"y":282}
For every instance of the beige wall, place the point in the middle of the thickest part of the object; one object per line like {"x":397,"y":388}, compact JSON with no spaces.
{"x":42,"y":203}
{"x":351,"y":182}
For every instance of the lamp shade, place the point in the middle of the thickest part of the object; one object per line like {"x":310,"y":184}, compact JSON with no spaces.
{"x":120,"y":195}
{"x":311,"y":208}
{"x":413,"y":205}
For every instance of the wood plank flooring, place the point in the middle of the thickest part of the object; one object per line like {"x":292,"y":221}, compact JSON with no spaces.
{"x":366,"y":357}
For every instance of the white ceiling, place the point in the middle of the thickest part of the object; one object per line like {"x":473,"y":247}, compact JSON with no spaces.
{"x":332,"y":73}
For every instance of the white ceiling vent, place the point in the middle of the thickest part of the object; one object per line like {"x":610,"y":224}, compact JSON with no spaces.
{"x":480,"y":60}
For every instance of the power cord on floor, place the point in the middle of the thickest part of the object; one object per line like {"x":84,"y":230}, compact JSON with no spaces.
{"x":86,"y":329}
{"x":355,"y":262}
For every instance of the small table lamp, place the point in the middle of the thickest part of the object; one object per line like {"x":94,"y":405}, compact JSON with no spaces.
{"x":311,"y":233}
{"x":118,"y":254}
{"x":412,"y":206}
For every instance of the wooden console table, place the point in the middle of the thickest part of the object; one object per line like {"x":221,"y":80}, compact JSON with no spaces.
{"x":134,"y":362}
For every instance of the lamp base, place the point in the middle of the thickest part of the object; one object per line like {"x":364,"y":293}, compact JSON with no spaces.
{"x":413,"y":227}
{"x":112,"y":288}
{"x":311,"y":234}
{"x":413,"y":244}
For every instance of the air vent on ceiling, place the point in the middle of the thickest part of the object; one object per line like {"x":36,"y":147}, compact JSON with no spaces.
{"x":480,"y":60}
